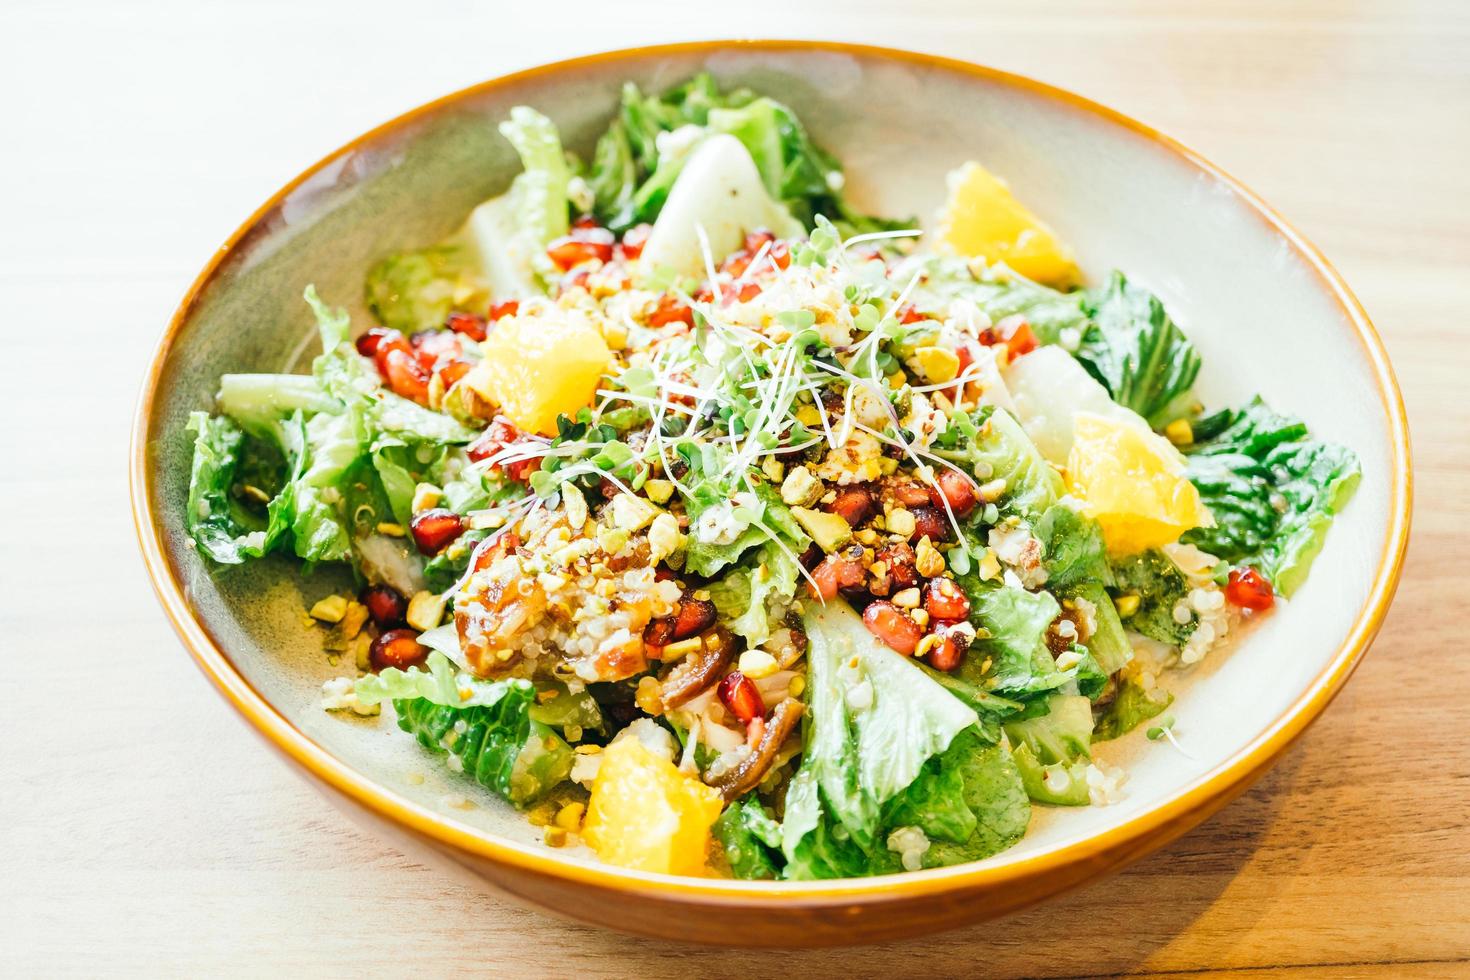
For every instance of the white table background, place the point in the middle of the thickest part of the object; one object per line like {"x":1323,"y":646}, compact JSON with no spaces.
{"x":146,"y":831}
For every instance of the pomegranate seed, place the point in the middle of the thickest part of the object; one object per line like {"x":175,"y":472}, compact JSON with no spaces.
{"x":507,"y":308}
{"x":582,"y":245}
{"x":397,"y":648}
{"x":452,"y":372}
{"x":908,"y":493}
{"x":585,"y":221}
{"x":755,"y":239}
{"x":434,"y":529}
{"x":670,"y":309}
{"x":943,"y":599}
{"x":747,"y":292}
{"x":958,"y":490}
{"x":693,"y":616}
{"x":406,"y":376}
{"x":931,"y":523}
{"x":854,"y":504}
{"x":834,"y":574}
{"x":781,"y":255}
{"x":949,"y":651}
{"x":372,"y":342}
{"x":634,"y":239}
{"x":468,"y":324}
{"x":902,"y":571}
{"x":888,"y":623}
{"x":436,"y":344}
{"x":910,"y":315}
{"x":385,"y":604}
{"x":740,"y":695}
{"x":1248,"y":589}
{"x":1015,"y":333}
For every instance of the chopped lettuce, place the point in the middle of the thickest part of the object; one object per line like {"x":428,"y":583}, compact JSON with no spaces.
{"x":748,"y":596}
{"x":1160,"y":586}
{"x":219,"y":523}
{"x":417,"y":290}
{"x":1273,"y":490}
{"x":644,"y":150}
{"x":488,"y":726}
{"x":1001,"y":450}
{"x":1139,"y":353}
{"x":1009,"y":656}
{"x":969,"y":801}
{"x":1131,"y":706}
{"x":1047,"y":311}
{"x":1052,"y":750}
{"x":1072,"y":548}
{"x":751,"y":840}
{"x":751,"y":520}
{"x":875,"y":719}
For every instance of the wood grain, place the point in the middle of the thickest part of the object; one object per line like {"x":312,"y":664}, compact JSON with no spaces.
{"x":149,"y":833}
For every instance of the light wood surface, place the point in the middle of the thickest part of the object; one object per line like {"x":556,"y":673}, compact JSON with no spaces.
{"x":147,"y":831}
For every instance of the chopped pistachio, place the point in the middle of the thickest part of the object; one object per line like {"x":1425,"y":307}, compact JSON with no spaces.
{"x":330,"y":610}
{"x":425,"y":610}
{"x":659,"y":491}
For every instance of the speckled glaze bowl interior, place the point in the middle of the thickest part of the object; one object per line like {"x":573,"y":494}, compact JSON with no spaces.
{"x":1238,"y":278}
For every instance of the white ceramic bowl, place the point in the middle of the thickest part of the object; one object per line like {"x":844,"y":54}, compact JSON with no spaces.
{"x":1267,"y":312}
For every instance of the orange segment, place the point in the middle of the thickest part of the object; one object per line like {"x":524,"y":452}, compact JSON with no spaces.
{"x":647,"y":815}
{"x":1132,"y":482}
{"x":983,"y":219}
{"x":536,"y":369}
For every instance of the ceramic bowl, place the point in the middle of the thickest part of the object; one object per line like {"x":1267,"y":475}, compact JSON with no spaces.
{"x":1266,"y":310}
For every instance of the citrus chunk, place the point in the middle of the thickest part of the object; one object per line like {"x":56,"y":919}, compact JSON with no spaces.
{"x":982,"y":219}
{"x":647,"y":815}
{"x":1132,"y":482}
{"x":537,"y":368}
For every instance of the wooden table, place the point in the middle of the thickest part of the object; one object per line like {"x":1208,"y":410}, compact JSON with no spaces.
{"x":147,"y":831}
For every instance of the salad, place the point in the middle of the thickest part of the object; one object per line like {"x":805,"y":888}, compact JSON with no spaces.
{"x":725,"y":529}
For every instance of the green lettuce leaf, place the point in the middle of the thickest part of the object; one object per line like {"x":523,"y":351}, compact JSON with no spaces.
{"x":1273,"y":490}
{"x":1052,"y":750}
{"x":489,"y":726}
{"x":874,"y":719}
{"x":1001,"y":449}
{"x":1160,"y":586}
{"x":1010,"y":626}
{"x":1130,"y":707}
{"x":1072,"y":548}
{"x":1139,"y":353}
{"x":751,"y":840}
{"x":416,"y":290}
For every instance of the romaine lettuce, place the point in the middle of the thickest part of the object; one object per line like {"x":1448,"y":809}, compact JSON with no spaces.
{"x":1160,"y":586}
{"x":1130,"y":707}
{"x":1273,"y":490}
{"x":1053,"y":750}
{"x":1138,"y":353}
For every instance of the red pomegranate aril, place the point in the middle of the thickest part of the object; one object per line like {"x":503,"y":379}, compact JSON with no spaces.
{"x":909,"y":494}
{"x":433,"y":529}
{"x":943,"y":599}
{"x":955,"y":488}
{"x":948,"y":651}
{"x":781,"y":255}
{"x":582,"y":245}
{"x":504,"y":309}
{"x":741,"y":696}
{"x":854,"y":504}
{"x":931,"y":523}
{"x":385,"y":604}
{"x":834,"y":574}
{"x":634,"y":239}
{"x":910,"y":315}
{"x":406,"y":376}
{"x":1015,"y":333}
{"x":693,"y":616}
{"x":903,"y":572}
{"x":585,"y":221}
{"x":670,"y":309}
{"x":1248,"y":589}
{"x":888,"y":623}
{"x":439,"y":343}
{"x":500,"y":434}
{"x":496,"y":550}
{"x":755,"y":239}
{"x":371,"y":344}
{"x":397,"y":648}
{"x":452,"y":372}
{"x":468,"y":324}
